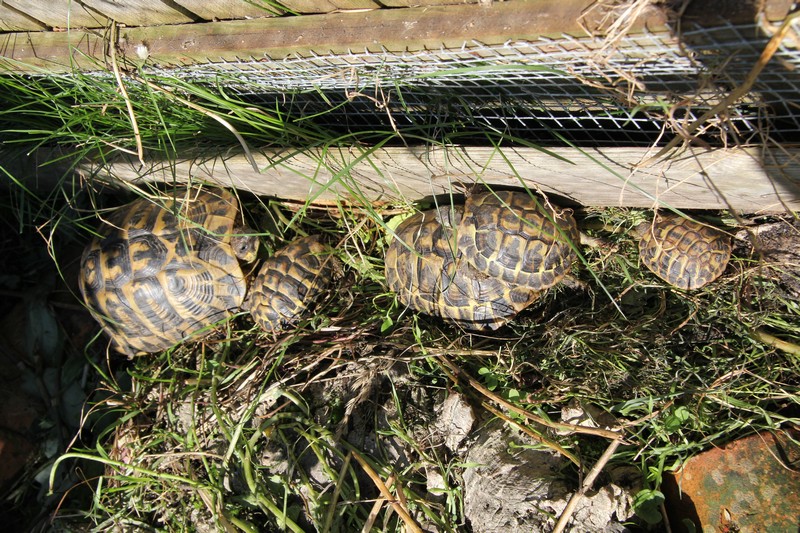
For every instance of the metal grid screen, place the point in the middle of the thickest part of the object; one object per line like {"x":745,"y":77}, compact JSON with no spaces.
{"x":545,"y":91}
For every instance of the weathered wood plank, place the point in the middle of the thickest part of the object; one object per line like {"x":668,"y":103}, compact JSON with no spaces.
{"x":412,"y":29}
{"x":719,"y":179}
{"x":326,"y":6}
{"x":280,"y":37}
{"x":139,"y":12}
{"x":69,"y":14}
{"x":418,"y":3}
{"x":52,"y":51}
{"x":12,"y":20}
{"x":392,"y":29}
{"x":227,"y":9}
{"x":51,"y":12}
{"x":60,"y":13}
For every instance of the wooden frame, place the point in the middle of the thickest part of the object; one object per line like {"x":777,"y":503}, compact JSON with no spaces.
{"x":745,"y":180}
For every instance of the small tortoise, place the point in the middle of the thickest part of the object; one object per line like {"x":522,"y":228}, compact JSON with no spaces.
{"x":158,"y":274}
{"x":428,"y":273}
{"x":682,"y":252}
{"x":289,"y":281}
{"x":519,"y":239}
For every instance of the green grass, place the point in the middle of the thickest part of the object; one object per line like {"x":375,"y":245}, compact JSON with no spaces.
{"x":310,"y":430}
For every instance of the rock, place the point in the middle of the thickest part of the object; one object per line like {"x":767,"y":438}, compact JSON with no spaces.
{"x":516,"y":489}
{"x":586,"y":415}
{"x":778,"y":244}
{"x":455,"y":420}
{"x":435,"y":483}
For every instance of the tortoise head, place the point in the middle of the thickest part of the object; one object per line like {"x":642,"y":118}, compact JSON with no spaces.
{"x":641,"y":229}
{"x":245,"y":244}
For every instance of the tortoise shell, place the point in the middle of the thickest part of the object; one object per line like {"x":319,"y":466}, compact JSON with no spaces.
{"x":428,"y":274}
{"x":682,"y":252}
{"x":289,"y":281}
{"x":516,"y":238}
{"x":157,"y":274}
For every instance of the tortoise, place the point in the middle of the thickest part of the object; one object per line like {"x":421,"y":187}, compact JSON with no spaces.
{"x":682,"y":252}
{"x":289,"y":281}
{"x":518,"y":238}
{"x":429,"y":274}
{"x":157,"y":274}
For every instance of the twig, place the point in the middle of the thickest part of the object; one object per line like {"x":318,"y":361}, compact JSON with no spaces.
{"x":112,"y":51}
{"x":769,"y":50}
{"x":457,"y":372}
{"x":775,"y":342}
{"x":587,"y":484}
{"x":665,"y":516}
{"x":411,"y":525}
{"x":373,"y":515}
{"x":550,"y":444}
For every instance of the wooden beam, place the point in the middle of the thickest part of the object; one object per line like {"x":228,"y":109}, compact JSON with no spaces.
{"x":140,"y":12}
{"x":736,"y":179}
{"x":225,"y":9}
{"x":52,"y":52}
{"x":53,"y":13}
{"x":36,"y":14}
{"x":59,"y":13}
{"x":11,"y":19}
{"x":375,"y":30}
{"x":327,"y":6}
{"x":279,"y":37}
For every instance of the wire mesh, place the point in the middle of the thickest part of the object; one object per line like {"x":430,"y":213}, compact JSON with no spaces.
{"x":545,"y":91}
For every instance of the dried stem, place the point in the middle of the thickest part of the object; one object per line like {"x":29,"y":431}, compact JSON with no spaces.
{"x":587,"y":484}
{"x":459,"y":373}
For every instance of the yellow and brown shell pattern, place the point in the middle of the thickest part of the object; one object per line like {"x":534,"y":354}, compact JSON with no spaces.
{"x":159,"y":273}
{"x":682,"y":252}
{"x":518,"y":238}
{"x":290,"y":281}
{"x":426,"y":270}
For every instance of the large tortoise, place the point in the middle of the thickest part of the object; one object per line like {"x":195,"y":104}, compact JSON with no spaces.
{"x":161,"y":272}
{"x":682,"y":252}
{"x":428,"y":274}
{"x":480,"y":264}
